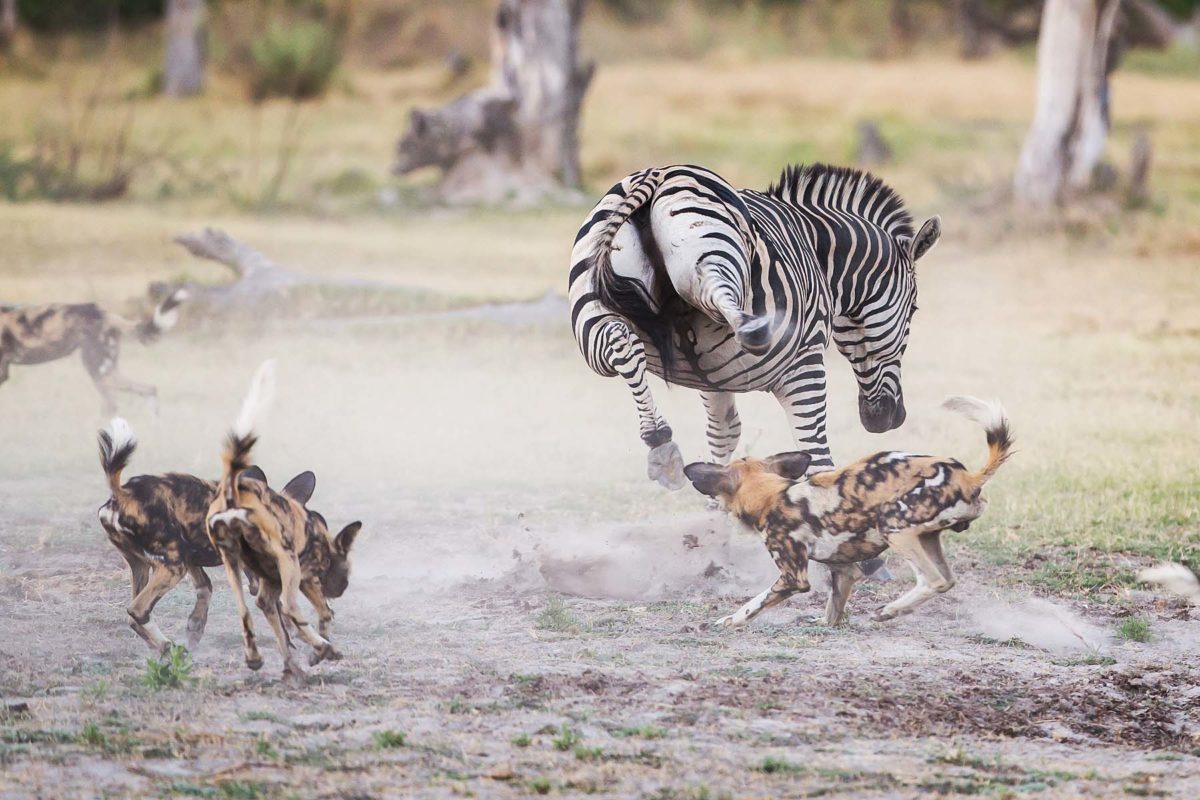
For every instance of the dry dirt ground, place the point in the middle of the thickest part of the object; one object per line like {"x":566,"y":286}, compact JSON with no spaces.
{"x":525,"y":610}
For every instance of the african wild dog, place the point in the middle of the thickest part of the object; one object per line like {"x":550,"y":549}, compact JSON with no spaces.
{"x":37,"y":334}
{"x":1175,"y":578}
{"x":158,"y":524}
{"x":847,"y":515}
{"x":275,"y":537}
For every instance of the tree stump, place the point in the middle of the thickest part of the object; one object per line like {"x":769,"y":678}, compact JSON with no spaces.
{"x":1071,"y":121}
{"x":517,"y":139}
{"x":183,"y":65}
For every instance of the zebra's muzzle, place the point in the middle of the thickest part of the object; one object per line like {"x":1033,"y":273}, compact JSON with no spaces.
{"x":884,"y":414}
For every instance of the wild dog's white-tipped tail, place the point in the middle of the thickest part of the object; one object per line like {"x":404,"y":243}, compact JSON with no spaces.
{"x":166,"y":313}
{"x":991,"y":415}
{"x":120,"y":433}
{"x":117,"y":444}
{"x":1174,"y":578}
{"x":260,"y":396}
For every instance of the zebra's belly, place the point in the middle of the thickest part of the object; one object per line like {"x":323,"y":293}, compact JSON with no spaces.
{"x":708,"y":357}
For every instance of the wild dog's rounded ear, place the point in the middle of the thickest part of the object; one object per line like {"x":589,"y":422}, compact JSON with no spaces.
{"x":792,"y":466}
{"x":345,"y":539}
{"x":709,"y":479}
{"x":926,"y":238}
{"x":255,"y":473}
{"x":301,"y":487}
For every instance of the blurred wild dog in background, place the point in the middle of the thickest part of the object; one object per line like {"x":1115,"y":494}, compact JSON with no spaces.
{"x":854,"y":513}
{"x":1175,"y":578}
{"x":158,"y":524}
{"x":37,"y":334}
{"x":275,"y":537}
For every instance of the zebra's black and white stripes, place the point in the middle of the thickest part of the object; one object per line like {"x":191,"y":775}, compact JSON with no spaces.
{"x":678,"y":273}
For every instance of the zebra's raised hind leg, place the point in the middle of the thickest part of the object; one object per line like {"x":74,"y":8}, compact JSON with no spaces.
{"x":624,"y":354}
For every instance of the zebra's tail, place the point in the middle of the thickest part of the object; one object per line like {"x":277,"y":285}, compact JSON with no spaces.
{"x":627,"y":296}
{"x":992,"y":417}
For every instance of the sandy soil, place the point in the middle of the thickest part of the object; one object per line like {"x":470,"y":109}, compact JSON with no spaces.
{"x":478,"y":517}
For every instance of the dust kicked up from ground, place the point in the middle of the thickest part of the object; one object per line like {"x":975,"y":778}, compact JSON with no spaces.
{"x":527,"y":613}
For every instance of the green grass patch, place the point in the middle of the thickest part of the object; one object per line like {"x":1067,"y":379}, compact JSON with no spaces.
{"x":589,"y":753}
{"x":389,"y":739}
{"x":522,"y":740}
{"x":640,"y":731}
{"x":555,"y":616}
{"x":171,"y":671}
{"x":540,"y":785}
{"x":567,"y":738}
{"x":1134,"y":629}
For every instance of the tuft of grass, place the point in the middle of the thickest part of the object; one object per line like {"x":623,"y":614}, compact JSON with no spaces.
{"x":241,"y":790}
{"x":643,"y":731}
{"x":589,"y":753}
{"x":389,"y":739}
{"x":1134,"y":629}
{"x":540,"y":785}
{"x":522,"y":740}
{"x":1090,"y":660}
{"x":92,"y":736}
{"x":555,"y":616}
{"x":567,"y":738}
{"x":171,"y":671}
{"x":95,"y":692}
{"x":773,"y":765}
{"x":264,"y":748}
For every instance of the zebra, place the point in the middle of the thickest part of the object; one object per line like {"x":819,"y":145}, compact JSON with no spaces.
{"x":729,"y":291}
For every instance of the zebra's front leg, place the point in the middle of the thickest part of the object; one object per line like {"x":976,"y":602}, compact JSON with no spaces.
{"x":625,"y":354}
{"x":803,"y":395}
{"x":724,"y":430}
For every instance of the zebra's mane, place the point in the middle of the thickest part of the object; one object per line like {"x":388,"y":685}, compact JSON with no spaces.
{"x":844,"y":188}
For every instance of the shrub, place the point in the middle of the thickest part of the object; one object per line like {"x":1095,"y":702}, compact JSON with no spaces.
{"x":296,"y":61}
{"x":389,"y":739}
{"x":171,"y":671}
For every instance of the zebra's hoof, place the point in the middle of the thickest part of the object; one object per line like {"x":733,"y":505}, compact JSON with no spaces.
{"x":665,"y":465}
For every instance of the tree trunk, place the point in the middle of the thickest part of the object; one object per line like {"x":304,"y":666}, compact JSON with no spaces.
{"x":518,"y":138}
{"x":8,"y":23}
{"x":1071,"y":120}
{"x":183,"y":68}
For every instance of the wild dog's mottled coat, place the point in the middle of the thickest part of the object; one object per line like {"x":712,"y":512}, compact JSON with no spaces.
{"x":157,"y":522}
{"x":37,"y":334}
{"x":848,"y":515}
{"x":275,"y":537}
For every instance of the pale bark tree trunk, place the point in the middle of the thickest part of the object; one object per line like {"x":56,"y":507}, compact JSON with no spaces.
{"x":8,"y":23}
{"x":518,"y":138}
{"x":1070,"y":122}
{"x":183,"y":67}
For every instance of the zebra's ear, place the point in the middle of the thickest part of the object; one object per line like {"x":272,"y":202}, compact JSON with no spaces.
{"x":710,"y":479}
{"x":926,"y":238}
{"x":792,"y":466}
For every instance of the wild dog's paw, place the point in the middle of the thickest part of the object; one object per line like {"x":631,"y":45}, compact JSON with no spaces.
{"x":665,"y":465}
{"x":726,"y":621}
{"x":254,"y":662}
{"x":326,"y":653}
{"x":293,"y":675}
{"x":884,"y":613}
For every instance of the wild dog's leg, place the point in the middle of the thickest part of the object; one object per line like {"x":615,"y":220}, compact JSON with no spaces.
{"x":930,"y":580}
{"x":199,"y":616}
{"x":139,"y":573}
{"x":222,"y":531}
{"x":802,"y":395}
{"x":931,"y":544}
{"x":163,"y":578}
{"x":4,"y":362}
{"x":791,"y":557}
{"x":312,"y":590}
{"x":100,"y":359}
{"x":268,"y":602}
{"x":289,"y":597}
{"x":622,"y":352}
{"x":842,"y":578}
